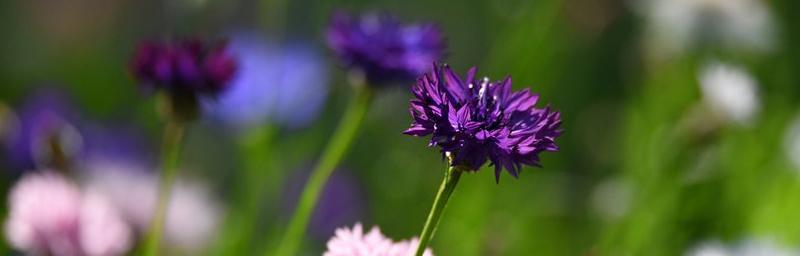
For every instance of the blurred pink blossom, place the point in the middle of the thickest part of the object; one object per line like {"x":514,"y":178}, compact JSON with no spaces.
{"x":50,"y":215}
{"x":354,"y":242}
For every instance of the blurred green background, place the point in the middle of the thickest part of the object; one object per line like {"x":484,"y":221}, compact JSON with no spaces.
{"x":644,"y":168}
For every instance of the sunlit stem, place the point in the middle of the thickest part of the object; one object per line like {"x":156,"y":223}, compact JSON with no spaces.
{"x":333,"y":153}
{"x":451,"y":176}
{"x":173,"y":134}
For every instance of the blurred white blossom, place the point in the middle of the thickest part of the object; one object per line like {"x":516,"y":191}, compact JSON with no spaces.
{"x":747,"y":247}
{"x":730,"y":92}
{"x":675,"y":26}
{"x":611,"y":198}
{"x":709,"y":248}
{"x":192,"y":214}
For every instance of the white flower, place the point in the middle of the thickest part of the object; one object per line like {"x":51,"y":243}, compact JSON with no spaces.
{"x":192,"y":216}
{"x":103,"y":230}
{"x":709,"y":248}
{"x":611,"y":198}
{"x":763,"y":247}
{"x":730,"y":91}
{"x":749,"y":247}
{"x":678,"y":25}
{"x":353,"y":242}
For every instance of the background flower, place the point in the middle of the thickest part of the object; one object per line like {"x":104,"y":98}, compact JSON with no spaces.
{"x":50,"y":215}
{"x":730,"y":91}
{"x":383,"y":49}
{"x":192,"y":215}
{"x":189,"y":65}
{"x":46,"y":130}
{"x":680,"y":25}
{"x":281,"y":83}
{"x":354,"y":242}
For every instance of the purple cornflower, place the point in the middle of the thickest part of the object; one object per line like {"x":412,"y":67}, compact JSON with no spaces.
{"x":383,"y":49}
{"x":478,"y":120}
{"x":184,"y":66}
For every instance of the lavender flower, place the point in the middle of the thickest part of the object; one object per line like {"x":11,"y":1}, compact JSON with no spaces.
{"x":49,"y":215}
{"x":382,"y":48}
{"x":478,"y":120}
{"x":285,"y":84}
{"x":44,"y":133}
{"x":354,"y":242}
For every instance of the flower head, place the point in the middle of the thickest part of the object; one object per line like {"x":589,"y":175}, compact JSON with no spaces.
{"x":192,"y":214}
{"x":281,"y":83}
{"x":676,"y":26}
{"x":475,"y":120}
{"x":382,"y":48}
{"x":185,"y":70}
{"x":730,"y":91}
{"x":49,"y":215}
{"x":189,"y":65}
{"x":45,"y":132}
{"x":354,"y":242}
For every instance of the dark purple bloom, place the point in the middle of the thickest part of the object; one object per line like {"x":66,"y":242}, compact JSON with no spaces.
{"x":185,"y":66}
{"x":382,"y":48}
{"x":479,"y":120}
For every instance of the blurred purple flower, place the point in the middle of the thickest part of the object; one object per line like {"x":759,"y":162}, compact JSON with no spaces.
{"x":478,"y":120}
{"x":49,"y":215}
{"x":382,"y":48}
{"x":45,"y":131}
{"x":184,"y":66}
{"x":354,"y":242}
{"x":286,"y":84}
{"x":341,"y":202}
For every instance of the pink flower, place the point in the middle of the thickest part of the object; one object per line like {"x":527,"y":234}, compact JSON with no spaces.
{"x":49,"y":215}
{"x":353,"y":242}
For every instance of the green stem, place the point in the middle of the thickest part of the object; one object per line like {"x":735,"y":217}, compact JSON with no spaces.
{"x":449,"y":183}
{"x":241,"y":219}
{"x":338,"y":145}
{"x":173,"y":133}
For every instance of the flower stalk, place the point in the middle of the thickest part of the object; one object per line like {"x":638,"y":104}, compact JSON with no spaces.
{"x":173,"y":134}
{"x":451,"y":177}
{"x":331,"y":156}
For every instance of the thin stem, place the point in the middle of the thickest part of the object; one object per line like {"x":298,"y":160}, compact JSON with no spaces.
{"x":449,"y":183}
{"x":338,"y":145}
{"x":173,"y":134}
{"x":258,"y":175}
